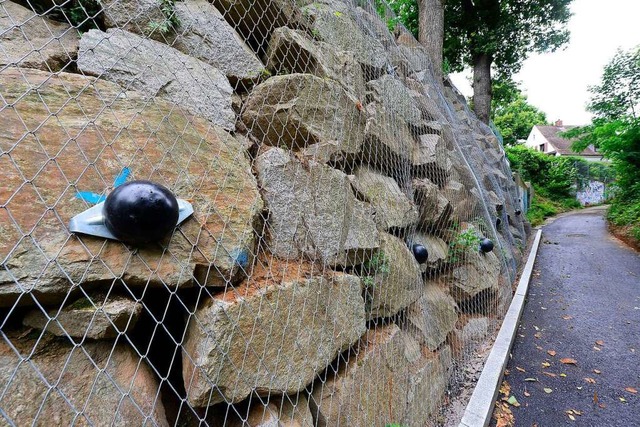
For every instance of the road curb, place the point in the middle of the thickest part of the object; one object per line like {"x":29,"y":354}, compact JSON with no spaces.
{"x":480,"y":408}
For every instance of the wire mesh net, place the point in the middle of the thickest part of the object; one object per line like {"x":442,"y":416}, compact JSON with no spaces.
{"x":356,"y":231}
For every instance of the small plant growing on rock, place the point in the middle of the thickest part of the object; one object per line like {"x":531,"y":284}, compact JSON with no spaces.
{"x":170,"y":21}
{"x":377,"y":264}
{"x":465,"y":240}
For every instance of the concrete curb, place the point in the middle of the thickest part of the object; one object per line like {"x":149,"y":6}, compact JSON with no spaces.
{"x":480,"y":408}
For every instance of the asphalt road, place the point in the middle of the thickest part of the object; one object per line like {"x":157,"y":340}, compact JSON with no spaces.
{"x":583,"y":304}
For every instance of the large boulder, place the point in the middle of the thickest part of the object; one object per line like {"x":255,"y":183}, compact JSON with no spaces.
{"x":291,"y":51}
{"x":396,"y":99}
{"x":91,"y":145}
{"x":432,"y":317}
{"x":305,"y":112}
{"x":403,"y":384}
{"x":389,"y":143}
{"x":157,"y":70}
{"x":393,"y":208}
{"x":144,"y":17}
{"x":33,"y":41}
{"x":391,"y":278}
{"x":480,"y":272}
{"x":435,"y":209}
{"x":51,"y":382}
{"x":95,"y":318}
{"x":203,"y":33}
{"x":332,"y":21}
{"x":269,"y":338}
{"x":312,"y":211}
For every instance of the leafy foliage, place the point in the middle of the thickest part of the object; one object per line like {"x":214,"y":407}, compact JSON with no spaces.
{"x":615,"y":132}
{"x":511,"y":112}
{"x":554,"y":179}
{"x":507,"y":30}
{"x":465,"y":240}
{"x":170,"y":21}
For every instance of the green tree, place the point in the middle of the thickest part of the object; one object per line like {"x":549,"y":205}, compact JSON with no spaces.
{"x":500,"y":34}
{"x":615,"y":132}
{"x":511,"y":112}
{"x":486,"y":34}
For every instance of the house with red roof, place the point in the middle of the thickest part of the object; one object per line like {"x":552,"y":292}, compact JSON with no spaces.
{"x":547,"y":139}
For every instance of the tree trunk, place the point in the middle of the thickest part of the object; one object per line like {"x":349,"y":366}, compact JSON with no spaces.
{"x":431,"y":31}
{"x":482,"y":86}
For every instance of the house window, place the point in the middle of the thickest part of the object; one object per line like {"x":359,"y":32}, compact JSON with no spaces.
{"x":543,"y":147}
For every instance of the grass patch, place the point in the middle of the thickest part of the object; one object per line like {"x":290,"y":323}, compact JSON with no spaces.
{"x":544,"y":206}
{"x":624,"y":215}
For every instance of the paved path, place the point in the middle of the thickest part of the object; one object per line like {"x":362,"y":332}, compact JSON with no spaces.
{"x":583,"y":304}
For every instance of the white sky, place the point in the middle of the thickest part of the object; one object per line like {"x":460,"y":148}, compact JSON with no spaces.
{"x":557,"y":82}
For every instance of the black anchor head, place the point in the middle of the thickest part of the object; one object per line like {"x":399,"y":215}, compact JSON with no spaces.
{"x":140,"y":212}
{"x":498,"y":222}
{"x":420,"y":253}
{"x":486,"y":245}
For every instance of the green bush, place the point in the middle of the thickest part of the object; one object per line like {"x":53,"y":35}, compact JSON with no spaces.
{"x":554,"y":179}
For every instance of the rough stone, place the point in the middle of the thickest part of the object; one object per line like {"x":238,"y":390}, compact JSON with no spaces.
{"x":430,"y":158}
{"x":332,"y":22}
{"x":394,"y":282}
{"x":428,"y":384}
{"x":91,"y":145}
{"x":291,"y":51}
{"x":432,"y":317}
{"x":435,"y":209}
{"x":204,"y":34}
{"x":389,"y":144}
{"x":291,"y":339}
{"x":302,"y":111}
{"x":463,"y":202}
{"x":98,"y":384}
{"x":33,"y":41}
{"x":255,"y":20}
{"x":312,"y":211}
{"x":393,"y":208}
{"x":481,"y":272}
{"x":402,"y":384}
{"x":157,"y":70}
{"x":144,"y":17}
{"x":436,"y":247}
{"x":287,"y":411}
{"x":396,"y":99}
{"x":94,"y":318}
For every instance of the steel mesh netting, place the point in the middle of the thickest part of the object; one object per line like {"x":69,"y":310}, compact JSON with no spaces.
{"x":323,"y":162}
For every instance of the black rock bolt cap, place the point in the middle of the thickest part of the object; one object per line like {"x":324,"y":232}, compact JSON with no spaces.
{"x":486,"y":245}
{"x":518,"y":211}
{"x":498,"y":222}
{"x":140,"y":212}
{"x":420,"y":253}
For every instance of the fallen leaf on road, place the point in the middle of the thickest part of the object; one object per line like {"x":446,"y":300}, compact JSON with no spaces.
{"x":563,"y":375}
{"x":622,"y":399}
{"x":548,"y":390}
{"x":513,"y":401}
{"x":549,"y":374}
{"x":590,"y":380}
{"x":551,"y":352}
{"x":597,"y":371}
{"x":631,"y":390}
{"x":546,"y":364}
{"x":600,"y":342}
{"x":526,"y":393}
{"x":536,"y":328}
{"x":567,"y":317}
{"x":571,"y":417}
{"x":537,"y":335}
{"x":595,"y":397}
{"x":568,"y":361}
{"x":579,"y":388}
{"x":520,"y":369}
{"x":531,"y":380}
{"x":597,"y":348}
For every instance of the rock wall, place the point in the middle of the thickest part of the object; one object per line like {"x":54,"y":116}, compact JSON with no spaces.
{"x":316,"y":148}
